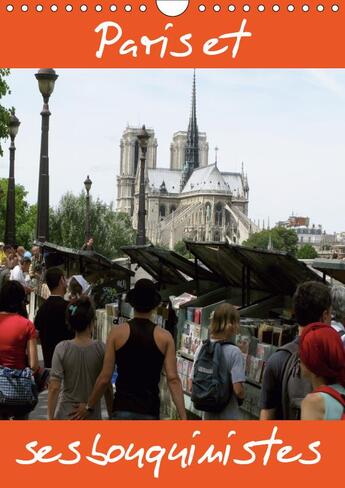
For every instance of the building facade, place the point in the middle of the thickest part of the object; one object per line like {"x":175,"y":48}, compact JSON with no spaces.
{"x":309,"y":234}
{"x":192,"y":198}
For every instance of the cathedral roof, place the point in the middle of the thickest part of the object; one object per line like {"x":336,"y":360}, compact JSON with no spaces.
{"x":171,"y":178}
{"x":235,"y":182}
{"x":207,"y":178}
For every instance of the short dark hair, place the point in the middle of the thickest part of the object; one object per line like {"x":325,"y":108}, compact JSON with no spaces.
{"x":8,"y":247}
{"x":310,"y":301}
{"x":53,"y":277}
{"x":80,"y":314}
{"x":12,"y":298}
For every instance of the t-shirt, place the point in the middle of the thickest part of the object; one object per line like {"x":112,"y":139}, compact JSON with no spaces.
{"x":78,"y":366}
{"x":333,"y":409}
{"x":3,"y":257}
{"x":271,"y":391}
{"x":18,"y":275}
{"x":15,"y":332}
{"x":50,"y":321}
{"x":5,"y":274}
{"x":235,"y":364}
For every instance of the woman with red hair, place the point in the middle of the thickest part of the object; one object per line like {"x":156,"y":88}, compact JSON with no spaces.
{"x":323,"y":363}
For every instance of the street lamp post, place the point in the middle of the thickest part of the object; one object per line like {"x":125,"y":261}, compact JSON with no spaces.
{"x":46,"y":80}
{"x":87,"y":184}
{"x":143,"y":138}
{"x":10,"y":226}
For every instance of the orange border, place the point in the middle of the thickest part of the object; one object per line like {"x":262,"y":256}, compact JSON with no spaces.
{"x":61,"y":39}
{"x":144,"y":435}
{"x":279,"y":39}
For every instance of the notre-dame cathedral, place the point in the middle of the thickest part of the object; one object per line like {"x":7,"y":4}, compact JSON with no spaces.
{"x":192,"y":199}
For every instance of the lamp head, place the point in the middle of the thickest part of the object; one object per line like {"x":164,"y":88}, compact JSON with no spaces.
{"x":143,"y":138}
{"x":13,"y":125}
{"x":88,"y":184}
{"x":46,"y":78}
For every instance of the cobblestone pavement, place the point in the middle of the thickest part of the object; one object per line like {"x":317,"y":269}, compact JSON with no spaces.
{"x":40,"y":412}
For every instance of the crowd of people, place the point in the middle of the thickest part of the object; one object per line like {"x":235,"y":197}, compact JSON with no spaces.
{"x":303,"y":379}
{"x":16,"y":263}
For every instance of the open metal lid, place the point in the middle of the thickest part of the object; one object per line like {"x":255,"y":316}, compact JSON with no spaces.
{"x":167,"y":267}
{"x":331,"y":267}
{"x":272,"y":271}
{"x":93,"y":266}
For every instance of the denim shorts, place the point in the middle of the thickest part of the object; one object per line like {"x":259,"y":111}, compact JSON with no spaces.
{"x":124,"y":415}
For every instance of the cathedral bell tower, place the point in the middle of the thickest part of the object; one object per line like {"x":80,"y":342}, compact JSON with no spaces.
{"x":192,"y":146}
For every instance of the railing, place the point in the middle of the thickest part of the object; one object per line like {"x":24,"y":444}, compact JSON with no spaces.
{"x":175,"y":221}
{"x":246,"y":222}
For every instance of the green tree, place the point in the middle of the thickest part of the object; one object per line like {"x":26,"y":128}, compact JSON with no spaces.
{"x":4,"y":112}
{"x":25,"y":215}
{"x":26,"y":230}
{"x":110,"y":229}
{"x":307,"y":251}
{"x":180,"y":248}
{"x":283,"y":239}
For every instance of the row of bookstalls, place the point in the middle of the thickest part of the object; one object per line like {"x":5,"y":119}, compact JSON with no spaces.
{"x":95,"y":268}
{"x":260,"y":283}
{"x":108,"y":280}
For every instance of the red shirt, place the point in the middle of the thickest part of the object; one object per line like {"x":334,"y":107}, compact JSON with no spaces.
{"x":15,"y":332}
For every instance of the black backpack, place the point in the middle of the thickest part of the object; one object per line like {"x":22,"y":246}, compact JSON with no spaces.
{"x":211,"y":383}
{"x":294,"y":387}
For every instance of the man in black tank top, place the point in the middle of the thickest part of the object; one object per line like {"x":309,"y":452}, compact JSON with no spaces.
{"x":140,"y":349}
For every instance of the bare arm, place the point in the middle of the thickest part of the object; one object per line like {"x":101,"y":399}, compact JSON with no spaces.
{"x":173,"y":380}
{"x":32,"y":354}
{"x":239,"y":390}
{"x":268,"y":414}
{"x":53,"y":395}
{"x":108,"y":396}
{"x":313,"y":407}
{"x":103,"y":380}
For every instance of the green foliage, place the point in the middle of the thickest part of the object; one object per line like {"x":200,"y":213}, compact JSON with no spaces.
{"x":109,"y":229}
{"x":4,"y":112}
{"x":307,"y":251}
{"x":180,"y":248}
{"x":25,"y":215}
{"x":283,"y":239}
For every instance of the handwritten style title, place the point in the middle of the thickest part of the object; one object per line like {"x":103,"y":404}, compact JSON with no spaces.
{"x":112,"y":35}
{"x":275,"y":449}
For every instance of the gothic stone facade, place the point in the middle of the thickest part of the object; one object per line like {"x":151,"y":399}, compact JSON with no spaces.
{"x":190,"y":199}
{"x":212,"y":206}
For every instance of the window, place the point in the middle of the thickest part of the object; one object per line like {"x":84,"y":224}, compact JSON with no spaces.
{"x":162,"y":210}
{"x":219,"y":214}
{"x":208,"y":211}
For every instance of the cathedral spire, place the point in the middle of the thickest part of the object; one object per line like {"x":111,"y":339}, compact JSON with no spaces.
{"x":192,"y":145}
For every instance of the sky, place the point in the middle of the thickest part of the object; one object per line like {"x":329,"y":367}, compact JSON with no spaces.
{"x":286,"y":126}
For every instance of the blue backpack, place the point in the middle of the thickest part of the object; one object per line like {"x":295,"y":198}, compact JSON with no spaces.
{"x":211,"y":383}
